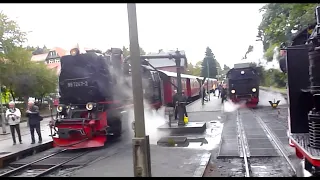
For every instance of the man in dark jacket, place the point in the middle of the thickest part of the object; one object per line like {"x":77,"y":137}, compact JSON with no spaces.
{"x":175,"y":100}
{"x":184,"y":103}
{"x":223,"y":93}
{"x":34,"y":121}
{"x":219,"y":89}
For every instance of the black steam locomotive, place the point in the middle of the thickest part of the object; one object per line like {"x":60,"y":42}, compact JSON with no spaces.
{"x":301,"y":61}
{"x":243,"y":84}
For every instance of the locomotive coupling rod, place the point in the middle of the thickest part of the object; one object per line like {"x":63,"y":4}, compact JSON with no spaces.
{"x":141,"y":146}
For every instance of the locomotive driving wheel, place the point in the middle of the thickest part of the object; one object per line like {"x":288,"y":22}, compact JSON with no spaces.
{"x":115,"y":126}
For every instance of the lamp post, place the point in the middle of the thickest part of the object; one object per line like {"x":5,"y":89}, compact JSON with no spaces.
{"x":208,"y":71}
{"x":141,"y":146}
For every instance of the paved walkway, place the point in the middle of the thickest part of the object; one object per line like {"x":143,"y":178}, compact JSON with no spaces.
{"x":165,"y":162}
{"x":6,"y":140}
{"x":213,"y":105}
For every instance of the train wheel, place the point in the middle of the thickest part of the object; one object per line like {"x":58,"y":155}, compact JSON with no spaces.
{"x":116,"y":127}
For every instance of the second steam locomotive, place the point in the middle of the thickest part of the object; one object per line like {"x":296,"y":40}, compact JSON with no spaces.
{"x":243,"y":84}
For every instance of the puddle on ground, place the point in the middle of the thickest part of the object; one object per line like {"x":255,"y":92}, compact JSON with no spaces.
{"x":208,"y":140}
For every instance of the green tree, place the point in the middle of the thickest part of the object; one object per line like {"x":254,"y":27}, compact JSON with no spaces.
{"x":250,"y":49}
{"x":20,"y":76}
{"x":126,"y":51}
{"x":279,"y":22}
{"x":46,"y":80}
{"x":224,"y":71}
{"x":209,"y":62}
{"x":194,"y":70}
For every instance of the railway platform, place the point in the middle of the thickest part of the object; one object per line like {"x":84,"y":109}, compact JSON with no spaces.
{"x":10,"y":152}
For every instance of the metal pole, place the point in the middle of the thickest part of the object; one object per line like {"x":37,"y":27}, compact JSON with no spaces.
{"x":208,"y":79}
{"x":218,"y":74}
{"x":180,"y":103}
{"x":141,"y":146}
{"x":3,"y":119}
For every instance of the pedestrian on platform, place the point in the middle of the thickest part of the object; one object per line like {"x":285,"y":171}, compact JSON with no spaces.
{"x":224,"y":93}
{"x":34,"y":121}
{"x":204,"y":94}
{"x":219,"y":89}
{"x":13,"y":116}
{"x":214,"y":87}
{"x":184,"y":104}
{"x":175,"y":101}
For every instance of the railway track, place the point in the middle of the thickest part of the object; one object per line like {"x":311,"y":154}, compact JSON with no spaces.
{"x":265,"y":166}
{"x":22,"y":170}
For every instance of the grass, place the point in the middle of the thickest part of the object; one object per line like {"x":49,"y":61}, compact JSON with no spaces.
{"x":280,"y":90}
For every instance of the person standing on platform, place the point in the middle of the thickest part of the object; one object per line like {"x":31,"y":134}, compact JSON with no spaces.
{"x":175,"y":104}
{"x":219,"y":89}
{"x":184,"y":104}
{"x":34,"y":121}
{"x":13,"y":115}
{"x":223,"y":93}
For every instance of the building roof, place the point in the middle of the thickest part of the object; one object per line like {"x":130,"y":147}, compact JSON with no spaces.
{"x":39,"y":57}
{"x":165,"y":62}
{"x":55,"y":66}
{"x":61,"y":52}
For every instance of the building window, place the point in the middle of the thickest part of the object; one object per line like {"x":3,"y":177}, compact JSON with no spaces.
{"x":57,"y":60}
{"x":50,"y":61}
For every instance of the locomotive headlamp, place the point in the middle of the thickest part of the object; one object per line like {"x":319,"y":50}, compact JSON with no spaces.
{"x":254,"y":89}
{"x":233,"y":91}
{"x":242,"y":72}
{"x":74,"y":52}
{"x":60,"y":108}
{"x":89,"y":106}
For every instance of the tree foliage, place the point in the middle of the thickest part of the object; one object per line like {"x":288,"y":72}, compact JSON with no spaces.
{"x":250,"y":49}
{"x":194,"y":70}
{"x":280,"y":21}
{"x":19,"y":75}
{"x":37,"y":50}
{"x":126,"y":51}
{"x":209,"y":63}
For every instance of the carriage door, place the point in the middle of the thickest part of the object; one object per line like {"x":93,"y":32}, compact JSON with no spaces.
{"x":156,"y":87}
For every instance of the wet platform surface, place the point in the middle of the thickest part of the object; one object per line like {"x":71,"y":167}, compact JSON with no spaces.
{"x":165,"y":162}
{"x":191,"y":126}
{"x":213,"y":105}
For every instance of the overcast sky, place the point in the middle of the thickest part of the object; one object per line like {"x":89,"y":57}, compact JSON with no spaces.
{"x":228,"y":29}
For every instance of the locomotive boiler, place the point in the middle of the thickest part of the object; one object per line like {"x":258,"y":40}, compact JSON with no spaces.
{"x":91,"y":100}
{"x":243,"y":84}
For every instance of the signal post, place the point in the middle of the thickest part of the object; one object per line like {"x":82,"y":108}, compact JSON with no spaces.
{"x":141,"y":146}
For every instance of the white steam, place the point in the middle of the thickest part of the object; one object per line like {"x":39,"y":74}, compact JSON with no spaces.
{"x":229,"y":106}
{"x":266,"y":96}
{"x":153,"y":120}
